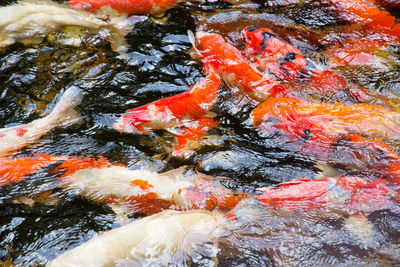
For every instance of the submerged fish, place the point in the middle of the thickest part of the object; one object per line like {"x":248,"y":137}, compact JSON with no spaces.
{"x":187,"y":115}
{"x":154,"y":7}
{"x":166,"y":238}
{"x":14,"y":138}
{"x":324,"y":122}
{"x":30,"y":21}
{"x":349,"y":193}
{"x":369,"y":14}
{"x":319,"y":130}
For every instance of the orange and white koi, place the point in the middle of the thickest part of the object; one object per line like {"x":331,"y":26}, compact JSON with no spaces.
{"x":149,"y":192}
{"x":14,"y":138}
{"x":187,"y":114}
{"x":287,"y":63}
{"x":154,"y":7}
{"x":15,"y":170}
{"x":136,"y":190}
{"x":236,"y":70}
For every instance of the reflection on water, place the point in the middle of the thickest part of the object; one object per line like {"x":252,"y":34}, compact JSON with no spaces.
{"x":40,"y":221}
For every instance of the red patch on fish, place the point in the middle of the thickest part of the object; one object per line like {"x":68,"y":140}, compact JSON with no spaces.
{"x":21,"y":132}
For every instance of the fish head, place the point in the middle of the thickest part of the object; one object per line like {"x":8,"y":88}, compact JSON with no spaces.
{"x":257,"y":39}
{"x":210,"y":46}
{"x":133,"y":121}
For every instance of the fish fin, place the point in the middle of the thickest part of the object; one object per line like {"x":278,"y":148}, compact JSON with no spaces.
{"x":121,"y":213}
{"x":64,"y":109}
{"x":120,"y":26}
{"x":188,"y":139}
{"x":324,"y":171}
{"x":175,"y":172}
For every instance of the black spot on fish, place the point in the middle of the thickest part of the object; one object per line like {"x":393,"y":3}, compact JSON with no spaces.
{"x":307,"y":135}
{"x":289,"y":57}
{"x":266,"y":36}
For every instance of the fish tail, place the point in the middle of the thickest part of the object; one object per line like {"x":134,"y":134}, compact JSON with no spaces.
{"x":120,"y":26}
{"x":64,"y":110}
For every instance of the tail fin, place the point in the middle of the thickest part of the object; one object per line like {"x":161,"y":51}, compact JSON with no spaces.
{"x":121,"y":25}
{"x":64,"y":110}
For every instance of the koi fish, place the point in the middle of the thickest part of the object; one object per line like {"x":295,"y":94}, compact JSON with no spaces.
{"x":354,"y":53}
{"x":317,"y":129}
{"x":125,"y":6}
{"x":327,"y":121}
{"x":187,"y":115}
{"x":14,"y":138}
{"x":30,"y":21}
{"x":236,"y":70}
{"x":369,"y":14}
{"x":148,"y":192}
{"x":287,"y":63}
{"x":15,"y":170}
{"x":166,"y":238}
{"x":141,"y":191}
{"x":351,"y":193}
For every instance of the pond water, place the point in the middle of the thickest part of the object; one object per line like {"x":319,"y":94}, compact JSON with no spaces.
{"x":157,"y":65}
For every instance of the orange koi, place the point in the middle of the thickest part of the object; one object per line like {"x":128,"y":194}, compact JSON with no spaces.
{"x":154,"y":7}
{"x":234,"y":68}
{"x":17,"y":137}
{"x":287,"y":63}
{"x":187,"y":115}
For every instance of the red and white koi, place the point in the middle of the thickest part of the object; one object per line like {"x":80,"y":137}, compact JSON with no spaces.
{"x":187,"y":115}
{"x":14,"y":138}
{"x":350,"y":193}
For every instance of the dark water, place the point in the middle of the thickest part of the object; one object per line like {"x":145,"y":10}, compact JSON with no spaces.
{"x":158,"y":65}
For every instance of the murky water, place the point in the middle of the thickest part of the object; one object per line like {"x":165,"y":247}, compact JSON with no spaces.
{"x":158,"y":65}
